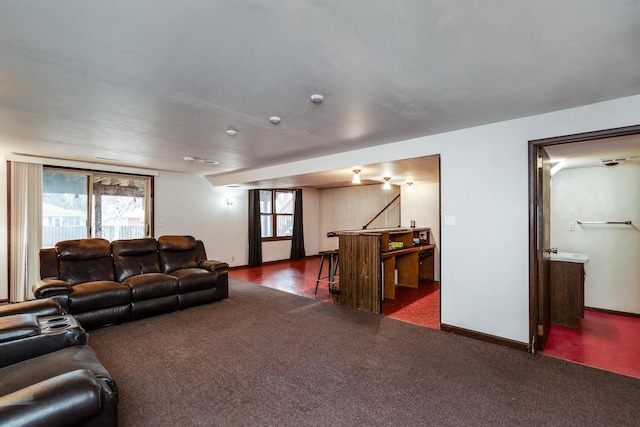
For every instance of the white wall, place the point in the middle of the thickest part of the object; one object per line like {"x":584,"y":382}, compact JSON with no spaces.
{"x":189,"y":204}
{"x":484,"y":185}
{"x":601,"y":194}
{"x":423,"y":206}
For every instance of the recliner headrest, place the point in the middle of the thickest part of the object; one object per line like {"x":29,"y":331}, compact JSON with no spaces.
{"x":83,"y":248}
{"x":176,"y":243}
{"x":133,"y":247}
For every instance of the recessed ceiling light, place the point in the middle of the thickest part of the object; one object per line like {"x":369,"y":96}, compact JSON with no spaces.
{"x":203,"y":161}
{"x":208,"y":162}
{"x":274,"y":119}
{"x":231,"y":130}
{"x":317,"y":98}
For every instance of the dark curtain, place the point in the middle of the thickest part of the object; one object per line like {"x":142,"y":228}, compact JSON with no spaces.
{"x":297,"y":242}
{"x":255,"y":235}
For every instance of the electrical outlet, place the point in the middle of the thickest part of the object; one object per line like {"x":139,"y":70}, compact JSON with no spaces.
{"x":233,"y":258}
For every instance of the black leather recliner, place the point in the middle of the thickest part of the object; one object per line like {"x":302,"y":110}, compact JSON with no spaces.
{"x":48,"y":375}
{"x":102,"y":283}
{"x":33,"y":328}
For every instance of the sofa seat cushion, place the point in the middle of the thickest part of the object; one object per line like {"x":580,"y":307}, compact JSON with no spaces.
{"x":103,"y":293}
{"x":18,"y":326}
{"x":194,"y":279}
{"x":151,"y":285}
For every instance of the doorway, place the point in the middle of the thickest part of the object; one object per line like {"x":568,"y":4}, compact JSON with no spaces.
{"x":540,"y":230}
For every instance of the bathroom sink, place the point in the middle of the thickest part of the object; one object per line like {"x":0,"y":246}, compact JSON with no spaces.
{"x":570,"y":257}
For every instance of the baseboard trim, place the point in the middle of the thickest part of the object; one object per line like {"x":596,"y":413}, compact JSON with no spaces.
{"x":485,"y":337}
{"x":617,"y":313}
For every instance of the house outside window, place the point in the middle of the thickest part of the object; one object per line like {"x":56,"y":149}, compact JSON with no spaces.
{"x":276,"y":214}
{"x":80,"y":204}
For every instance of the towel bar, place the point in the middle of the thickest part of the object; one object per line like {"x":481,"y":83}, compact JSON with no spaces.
{"x":604,"y":222}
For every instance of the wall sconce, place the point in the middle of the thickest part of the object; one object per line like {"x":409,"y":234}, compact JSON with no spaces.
{"x":229,"y":202}
{"x":356,"y":176}
{"x":387,"y":184}
{"x":409,"y":187}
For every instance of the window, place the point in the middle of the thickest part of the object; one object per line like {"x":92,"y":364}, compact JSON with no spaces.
{"x":276,"y":214}
{"x":79,"y":204}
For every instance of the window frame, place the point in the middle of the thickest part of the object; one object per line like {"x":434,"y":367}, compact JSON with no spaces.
{"x":90,"y":174}
{"x":274,"y":216}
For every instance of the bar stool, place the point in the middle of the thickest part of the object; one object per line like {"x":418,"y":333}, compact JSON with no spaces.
{"x":332,"y":274}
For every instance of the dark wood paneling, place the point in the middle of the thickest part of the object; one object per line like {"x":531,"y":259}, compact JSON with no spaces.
{"x":567,"y":293}
{"x":360,"y":272}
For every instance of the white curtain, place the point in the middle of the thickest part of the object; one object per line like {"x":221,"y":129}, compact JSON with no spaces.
{"x":26,"y":229}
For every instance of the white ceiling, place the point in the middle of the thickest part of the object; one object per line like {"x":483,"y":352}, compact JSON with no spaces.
{"x":145,"y":83}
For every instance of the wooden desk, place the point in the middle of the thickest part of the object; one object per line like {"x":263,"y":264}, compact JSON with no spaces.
{"x":368,"y":266}
{"x":407,"y":262}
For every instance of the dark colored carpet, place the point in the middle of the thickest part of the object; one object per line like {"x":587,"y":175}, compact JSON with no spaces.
{"x":267,"y":358}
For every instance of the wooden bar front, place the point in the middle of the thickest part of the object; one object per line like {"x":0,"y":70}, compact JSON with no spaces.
{"x":369,"y":260}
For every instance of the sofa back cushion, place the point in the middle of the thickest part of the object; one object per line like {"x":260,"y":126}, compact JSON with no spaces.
{"x":48,"y":263}
{"x":177,"y":252}
{"x":134,"y":256}
{"x":84,"y":260}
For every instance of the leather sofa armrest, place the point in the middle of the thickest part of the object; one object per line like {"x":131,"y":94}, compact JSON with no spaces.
{"x":51,"y":286}
{"x":23,"y":336}
{"x":39,"y":307}
{"x":66,"y":399}
{"x":214,"y":265}
{"x":18,"y":326}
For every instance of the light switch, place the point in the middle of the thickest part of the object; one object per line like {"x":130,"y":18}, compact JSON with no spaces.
{"x":572,"y":226}
{"x":449,"y":221}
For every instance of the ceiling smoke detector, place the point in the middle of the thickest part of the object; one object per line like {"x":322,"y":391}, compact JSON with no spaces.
{"x":317,"y":98}
{"x":274,"y":119}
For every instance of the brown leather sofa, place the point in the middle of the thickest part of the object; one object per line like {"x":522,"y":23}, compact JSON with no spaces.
{"x":102,"y":283}
{"x":49,"y":376}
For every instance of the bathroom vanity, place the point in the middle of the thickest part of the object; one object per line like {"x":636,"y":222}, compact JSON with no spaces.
{"x":567,"y":288}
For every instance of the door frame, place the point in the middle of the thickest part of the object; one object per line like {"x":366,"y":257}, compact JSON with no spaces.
{"x":534,"y":281}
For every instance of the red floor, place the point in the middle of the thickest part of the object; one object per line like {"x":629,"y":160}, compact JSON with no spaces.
{"x":419,"y":306}
{"x":601,"y":340}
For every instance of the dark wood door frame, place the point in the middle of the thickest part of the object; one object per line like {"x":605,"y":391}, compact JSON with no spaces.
{"x":534,"y":282}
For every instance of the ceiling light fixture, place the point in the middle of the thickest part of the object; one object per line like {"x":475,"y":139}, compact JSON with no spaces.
{"x":231,"y":130}
{"x":356,"y":176}
{"x":387,"y":184}
{"x":203,"y":161}
{"x":274,"y":119}
{"x":409,"y":187}
{"x":317,"y":98}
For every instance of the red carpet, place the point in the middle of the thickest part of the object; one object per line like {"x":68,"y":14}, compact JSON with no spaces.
{"x":601,"y":340}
